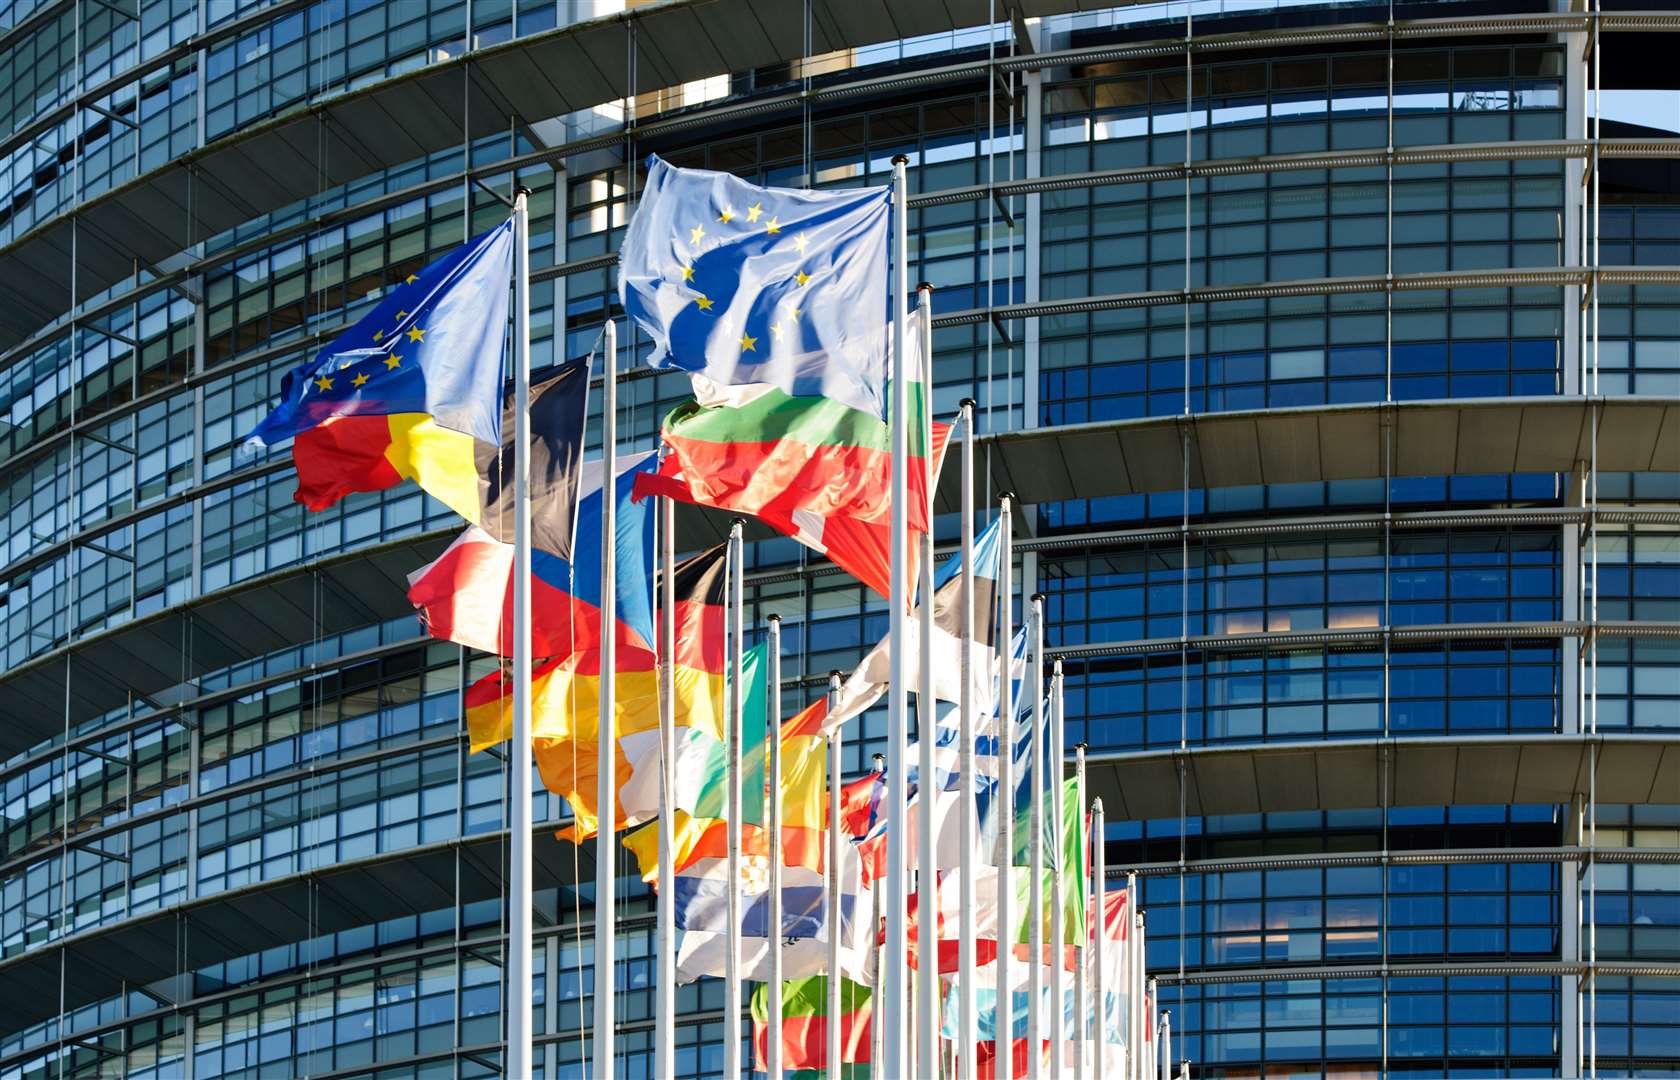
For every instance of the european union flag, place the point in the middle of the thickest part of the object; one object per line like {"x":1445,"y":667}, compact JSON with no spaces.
{"x":412,"y":391}
{"x":433,"y":345}
{"x":746,"y":284}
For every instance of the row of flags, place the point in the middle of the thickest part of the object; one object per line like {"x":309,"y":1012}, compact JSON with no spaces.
{"x":775,"y":302}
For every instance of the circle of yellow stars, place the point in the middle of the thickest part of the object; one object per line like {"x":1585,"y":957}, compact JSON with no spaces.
{"x":755,"y":221}
{"x":391,"y":361}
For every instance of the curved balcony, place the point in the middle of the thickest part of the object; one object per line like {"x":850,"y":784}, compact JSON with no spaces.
{"x":152,"y":219}
{"x":1357,"y":774}
{"x":149,"y":656}
{"x":153,"y":950}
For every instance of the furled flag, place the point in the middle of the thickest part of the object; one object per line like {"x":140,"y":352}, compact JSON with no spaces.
{"x":1114,"y":922}
{"x":810,"y":468}
{"x":743,"y":284}
{"x":412,"y":391}
{"x":805,"y":1023}
{"x":869,"y":679}
{"x":466,"y":594}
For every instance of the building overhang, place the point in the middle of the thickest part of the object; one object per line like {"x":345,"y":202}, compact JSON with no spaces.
{"x":151,"y":656}
{"x":155,"y":951}
{"x":1284,"y":777}
{"x":1464,"y":437}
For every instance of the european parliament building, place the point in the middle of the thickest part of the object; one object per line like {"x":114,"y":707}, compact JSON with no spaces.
{"x":1332,"y":351}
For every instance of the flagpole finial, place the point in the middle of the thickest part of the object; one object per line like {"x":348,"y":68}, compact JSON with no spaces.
{"x":836,"y":673}
{"x":924,"y":286}
{"x":879,"y":761}
{"x":1006,"y":496}
{"x":1037,"y":597}
{"x":773,"y":618}
{"x":901,"y":159}
{"x":521,"y":189}
{"x":968,"y":403}
{"x":1081,"y":746}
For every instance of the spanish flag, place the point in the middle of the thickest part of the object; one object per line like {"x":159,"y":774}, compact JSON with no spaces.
{"x":411,"y":392}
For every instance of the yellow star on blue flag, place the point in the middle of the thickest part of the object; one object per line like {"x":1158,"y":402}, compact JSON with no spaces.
{"x":708,"y":282}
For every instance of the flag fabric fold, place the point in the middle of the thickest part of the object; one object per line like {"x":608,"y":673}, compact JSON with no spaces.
{"x":465,"y":595}
{"x":742,"y":284}
{"x":869,"y":679}
{"x":810,"y":468}
{"x":805,"y":1023}
{"x":411,"y":391}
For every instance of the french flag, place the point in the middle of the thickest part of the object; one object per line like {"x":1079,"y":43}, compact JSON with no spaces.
{"x":465,"y":595}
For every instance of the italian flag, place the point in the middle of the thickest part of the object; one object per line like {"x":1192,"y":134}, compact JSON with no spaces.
{"x":805,"y":1022}
{"x":809,"y":467}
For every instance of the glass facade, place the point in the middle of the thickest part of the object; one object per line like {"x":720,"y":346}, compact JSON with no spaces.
{"x":284,"y":861}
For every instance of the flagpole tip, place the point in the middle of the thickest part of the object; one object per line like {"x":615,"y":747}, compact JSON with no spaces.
{"x":773,"y":618}
{"x":1037,"y":598}
{"x":836,"y":673}
{"x":1006,"y":496}
{"x":968,"y":403}
{"x":924,"y":286}
{"x":521,"y":189}
{"x":901,"y":159}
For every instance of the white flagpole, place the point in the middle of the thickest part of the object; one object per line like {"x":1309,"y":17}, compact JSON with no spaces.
{"x":732,"y":831}
{"x":1059,"y":871}
{"x":1035,"y":850}
{"x":773,"y":818}
{"x":1099,"y":889}
{"x":666,"y":930}
{"x":1081,"y":1030}
{"x":1154,"y":1026}
{"x":834,"y":920}
{"x":1138,"y":1005}
{"x":1129,"y":993}
{"x":895,"y":996}
{"x":1003,"y":1005}
{"x":1166,"y":1045}
{"x":877,"y":1047}
{"x":606,"y":764}
{"x":519,"y":1028}
{"x":927,"y":876}
{"x":968,"y":1026}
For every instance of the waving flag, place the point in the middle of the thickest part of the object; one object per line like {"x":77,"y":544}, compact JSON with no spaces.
{"x":805,"y":1021}
{"x":701,"y":916}
{"x":565,"y":722}
{"x":869,"y":680}
{"x":743,"y":284}
{"x":699,"y":822}
{"x":812,"y":469}
{"x":412,"y":391}
{"x":465,"y":595}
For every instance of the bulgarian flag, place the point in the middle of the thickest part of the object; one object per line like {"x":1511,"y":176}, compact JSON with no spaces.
{"x":809,"y":467}
{"x":805,"y":1023}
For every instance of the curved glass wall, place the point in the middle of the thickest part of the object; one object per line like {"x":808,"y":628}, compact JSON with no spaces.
{"x":123,"y":496}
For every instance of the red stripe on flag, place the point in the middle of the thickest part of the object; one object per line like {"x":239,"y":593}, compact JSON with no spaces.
{"x":341,"y":455}
{"x":805,"y":1040}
